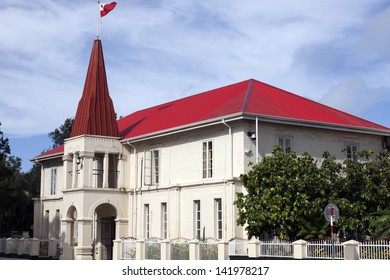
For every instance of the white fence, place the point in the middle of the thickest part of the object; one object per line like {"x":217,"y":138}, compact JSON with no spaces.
{"x":376,"y":249}
{"x":30,"y":247}
{"x":131,"y":249}
{"x":276,"y":249}
{"x":128,"y":251}
{"x":179,"y":250}
{"x":213,"y":250}
{"x":238,"y":247}
{"x":324,"y":249}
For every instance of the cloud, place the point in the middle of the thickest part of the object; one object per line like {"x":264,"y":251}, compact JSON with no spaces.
{"x":373,"y":44}
{"x":356,"y":97}
{"x":156,"y":51}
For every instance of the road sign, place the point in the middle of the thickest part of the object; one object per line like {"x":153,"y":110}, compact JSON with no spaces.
{"x":331,"y":212}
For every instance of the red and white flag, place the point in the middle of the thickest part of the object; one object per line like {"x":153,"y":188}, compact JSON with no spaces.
{"x":106,"y":8}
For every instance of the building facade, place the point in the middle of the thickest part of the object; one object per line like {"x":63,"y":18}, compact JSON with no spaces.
{"x":172,"y":171}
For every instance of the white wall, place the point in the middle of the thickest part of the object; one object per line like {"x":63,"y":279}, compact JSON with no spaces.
{"x":181,"y":179}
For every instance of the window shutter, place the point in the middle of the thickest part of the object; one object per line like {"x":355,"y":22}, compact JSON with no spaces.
{"x":148,"y":169}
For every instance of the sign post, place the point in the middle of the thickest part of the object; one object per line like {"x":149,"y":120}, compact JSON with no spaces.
{"x":331,"y":213}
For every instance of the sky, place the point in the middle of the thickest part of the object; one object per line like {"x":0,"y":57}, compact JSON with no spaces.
{"x":333,"y":52}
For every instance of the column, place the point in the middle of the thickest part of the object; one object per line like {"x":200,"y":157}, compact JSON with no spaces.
{"x":67,"y":160}
{"x":105,"y":170}
{"x":84,"y":248}
{"x":121,"y":227}
{"x":67,"y":248}
{"x":85,"y":167}
{"x":74,"y":171}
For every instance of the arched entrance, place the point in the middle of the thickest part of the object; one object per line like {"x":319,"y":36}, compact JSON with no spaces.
{"x":69,"y":234}
{"x":104,"y":231}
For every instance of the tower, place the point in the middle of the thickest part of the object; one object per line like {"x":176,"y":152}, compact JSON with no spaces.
{"x":93,"y":164}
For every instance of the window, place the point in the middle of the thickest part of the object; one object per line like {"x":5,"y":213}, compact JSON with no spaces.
{"x":351,"y":151}
{"x":218,"y":218}
{"x":57,"y":221}
{"x":285,"y":142}
{"x":113,"y":172}
{"x":53,"y":181}
{"x":46,"y":225}
{"x":97,"y":171}
{"x":164,"y":221}
{"x":207,"y":159}
{"x":152,"y":168}
{"x":147,"y":220}
{"x":197,"y":219}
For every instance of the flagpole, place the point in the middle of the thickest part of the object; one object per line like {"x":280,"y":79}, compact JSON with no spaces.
{"x":98,"y":20}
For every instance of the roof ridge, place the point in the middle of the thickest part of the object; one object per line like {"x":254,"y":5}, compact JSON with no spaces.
{"x":247,"y":95}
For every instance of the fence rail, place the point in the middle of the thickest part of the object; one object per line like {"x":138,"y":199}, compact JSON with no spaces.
{"x":238,"y":247}
{"x":128,"y":249}
{"x":212,"y":249}
{"x":180,"y":250}
{"x":374,"y":250}
{"x":153,"y":249}
{"x":277,"y":249}
{"x":31,"y":247}
{"x":323,"y":249}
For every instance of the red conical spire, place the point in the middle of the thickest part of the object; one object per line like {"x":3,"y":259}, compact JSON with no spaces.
{"x":95,"y":113}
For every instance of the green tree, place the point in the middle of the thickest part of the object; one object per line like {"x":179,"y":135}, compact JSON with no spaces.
{"x":364,"y":194}
{"x":5,"y":175}
{"x":16,"y":192}
{"x":380,"y":224}
{"x":59,"y":135}
{"x":5,"y":150}
{"x":286,"y":194}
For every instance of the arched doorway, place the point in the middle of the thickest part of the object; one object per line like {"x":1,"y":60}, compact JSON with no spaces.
{"x":69,"y":234}
{"x":104,"y":231}
{"x":72,"y":215}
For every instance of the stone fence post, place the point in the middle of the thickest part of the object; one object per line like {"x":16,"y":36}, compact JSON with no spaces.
{"x":20,"y":251}
{"x":351,"y":250}
{"x":165,"y":249}
{"x":34,"y":247}
{"x":253,"y":248}
{"x":140,"y":249}
{"x":117,"y":249}
{"x":194,"y":249}
{"x":300,"y":249}
{"x":8,"y":246}
{"x":223,"y":250}
{"x":53,"y":246}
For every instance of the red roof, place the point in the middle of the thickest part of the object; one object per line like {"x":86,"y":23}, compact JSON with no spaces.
{"x":57,"y":151}
{"x":249,"y":97}
{"x":95,"y":113}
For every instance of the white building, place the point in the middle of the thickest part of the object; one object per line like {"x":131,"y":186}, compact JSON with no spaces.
{"x":172,"y":171}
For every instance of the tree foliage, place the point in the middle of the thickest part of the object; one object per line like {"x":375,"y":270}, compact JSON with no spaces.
{"x":286,"y":195}
{"x":363,"y":193}
{"x":17,"y":189}
{"x":16,"y":192}
{"x":59,"y":135}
